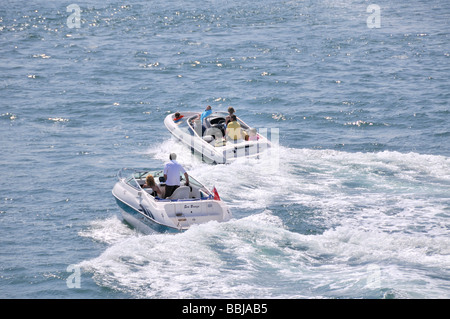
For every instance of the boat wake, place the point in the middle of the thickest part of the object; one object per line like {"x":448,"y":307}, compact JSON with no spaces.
{"x":322,"y":223}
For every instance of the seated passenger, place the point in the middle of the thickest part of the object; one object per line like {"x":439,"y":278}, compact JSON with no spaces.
{"x":253,"y":136}
{"x":150,"y":183}
{"x":234,"y":130}
{"x":178,"y":117}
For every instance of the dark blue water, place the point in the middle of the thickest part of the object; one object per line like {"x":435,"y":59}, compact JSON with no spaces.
{"x":354,"y":204}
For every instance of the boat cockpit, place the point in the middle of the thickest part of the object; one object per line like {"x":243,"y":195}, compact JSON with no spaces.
{"x":213,"y":128}
{"x":137,"y":179}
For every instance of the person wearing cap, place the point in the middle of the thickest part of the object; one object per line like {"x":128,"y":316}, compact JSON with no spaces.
{"x":172,"y":170}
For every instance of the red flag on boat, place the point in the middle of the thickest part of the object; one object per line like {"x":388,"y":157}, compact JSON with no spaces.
{"x":216,"y":194}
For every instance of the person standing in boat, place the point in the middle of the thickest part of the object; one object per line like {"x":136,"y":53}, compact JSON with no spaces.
{"x":234,"y":131}
{"x":172,"y":170}
{"x":206,"y":112}
{"x":150,"y":183}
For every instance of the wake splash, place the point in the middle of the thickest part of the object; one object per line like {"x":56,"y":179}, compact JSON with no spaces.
{"x":322,"y":224}
{"x":386,"y":190}
{"x":256,"y":257}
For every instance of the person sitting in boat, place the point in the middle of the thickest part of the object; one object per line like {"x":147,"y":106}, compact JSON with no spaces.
{"x":172,"y":172}
{"x":234,"y":131}
{"x":252,"y":135}
{"x":150,"y":183}
{"x":178,"y":117}
{"x":230,"y":113}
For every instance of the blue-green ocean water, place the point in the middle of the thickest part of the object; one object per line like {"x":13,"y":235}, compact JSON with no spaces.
{"x":356,"y":204}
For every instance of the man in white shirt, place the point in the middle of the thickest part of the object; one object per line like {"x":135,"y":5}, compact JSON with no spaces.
{"x":172,"y":170}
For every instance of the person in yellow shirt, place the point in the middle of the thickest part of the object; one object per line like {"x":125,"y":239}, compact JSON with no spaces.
{"x":234,"y":130}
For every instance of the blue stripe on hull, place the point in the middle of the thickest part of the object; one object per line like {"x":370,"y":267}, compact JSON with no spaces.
{"x":145,"y":224}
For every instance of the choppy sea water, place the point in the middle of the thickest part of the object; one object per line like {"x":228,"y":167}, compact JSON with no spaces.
{"x":355,"y":205}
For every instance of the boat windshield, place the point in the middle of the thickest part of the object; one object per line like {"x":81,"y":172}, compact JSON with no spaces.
{"x":132,"y":178}
{"x":194,"y":182}
{"x":129,"y":176}
{"x":132,"y":182}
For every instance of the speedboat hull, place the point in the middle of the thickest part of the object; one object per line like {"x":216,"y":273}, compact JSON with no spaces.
{"x":149,"y":214}
{"x":141,"y":221}
{"x":208,"y":139}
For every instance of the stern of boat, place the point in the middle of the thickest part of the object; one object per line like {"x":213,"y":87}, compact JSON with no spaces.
{"x":187,"y":213}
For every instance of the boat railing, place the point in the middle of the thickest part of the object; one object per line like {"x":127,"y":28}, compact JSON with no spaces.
{"x":184,"y":199}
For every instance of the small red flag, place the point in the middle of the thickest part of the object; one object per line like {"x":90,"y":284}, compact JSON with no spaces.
{"x":216,"y":194}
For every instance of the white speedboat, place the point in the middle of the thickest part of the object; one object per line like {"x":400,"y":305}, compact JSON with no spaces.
{"x":209,"y":140}
{"x":188,"y":205}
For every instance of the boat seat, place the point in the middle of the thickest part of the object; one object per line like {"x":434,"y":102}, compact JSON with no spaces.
{"x":181,"y":192}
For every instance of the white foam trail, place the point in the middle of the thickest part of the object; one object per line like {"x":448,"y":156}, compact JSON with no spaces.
{"x":384,"y":218}
{"x":110,"y":230}
{"x":161,"y":152}
{"x":256,"y":257}
{"x":191,"y":264}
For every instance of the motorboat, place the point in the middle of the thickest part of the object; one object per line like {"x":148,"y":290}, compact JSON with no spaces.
{"x":143,"y":209}
{"x":209,"y":138}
